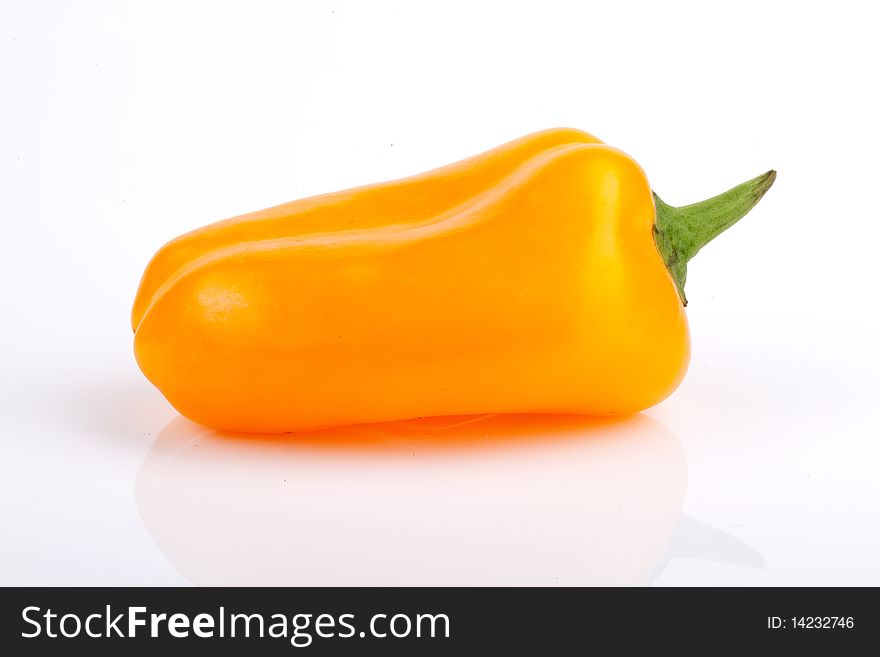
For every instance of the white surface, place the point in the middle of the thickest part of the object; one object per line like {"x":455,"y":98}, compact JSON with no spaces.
{"x":123,"y":125}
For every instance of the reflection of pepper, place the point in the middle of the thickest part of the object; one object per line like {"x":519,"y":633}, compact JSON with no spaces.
{"x":602,"y":496}
{"x":540,"y":277}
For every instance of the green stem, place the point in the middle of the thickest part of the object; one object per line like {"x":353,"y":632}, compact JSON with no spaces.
{"x":680,"y":233}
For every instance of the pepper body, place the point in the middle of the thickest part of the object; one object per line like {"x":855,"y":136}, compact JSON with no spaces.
{"x":537,"y":288}
{"x":409,"y":200}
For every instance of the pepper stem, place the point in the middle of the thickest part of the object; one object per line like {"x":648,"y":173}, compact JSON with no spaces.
{"x":680,"y":233}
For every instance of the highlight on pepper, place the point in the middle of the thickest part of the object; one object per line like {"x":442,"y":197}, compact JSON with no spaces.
{"x":543,"y":276}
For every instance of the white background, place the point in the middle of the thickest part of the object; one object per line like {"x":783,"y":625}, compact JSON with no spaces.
{"x":125,"y":124}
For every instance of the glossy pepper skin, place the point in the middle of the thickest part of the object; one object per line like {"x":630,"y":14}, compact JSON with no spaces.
{"x":525,"y":280}
{"x":410,"y":200}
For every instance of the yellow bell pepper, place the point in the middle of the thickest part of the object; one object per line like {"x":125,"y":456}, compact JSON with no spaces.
{"x":540,"y":277}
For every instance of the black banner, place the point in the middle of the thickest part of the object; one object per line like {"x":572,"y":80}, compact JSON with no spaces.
{"x":431,"y":621}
